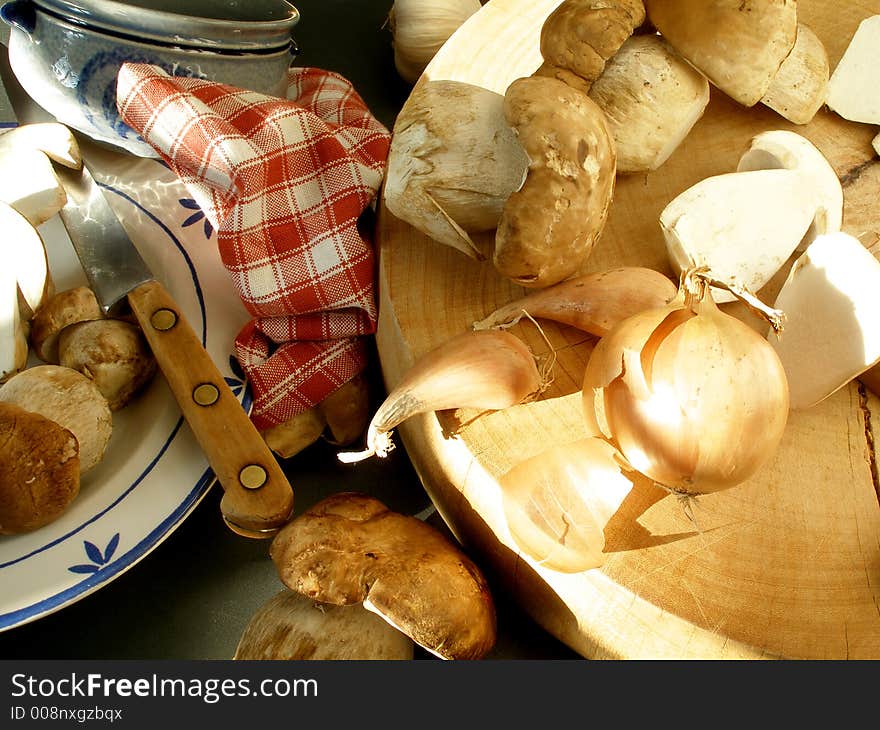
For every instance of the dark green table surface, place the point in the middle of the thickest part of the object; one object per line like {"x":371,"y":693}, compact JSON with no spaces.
{"x":192,"y":596}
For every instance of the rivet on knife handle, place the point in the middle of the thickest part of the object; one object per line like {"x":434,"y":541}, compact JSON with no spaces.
{"x":257,"y":497}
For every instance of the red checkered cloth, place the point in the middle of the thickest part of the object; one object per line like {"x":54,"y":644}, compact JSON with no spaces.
{"x":283,"y":182}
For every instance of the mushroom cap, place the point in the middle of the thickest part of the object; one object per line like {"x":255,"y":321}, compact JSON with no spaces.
{"x":738,"y":45}
{"x":548,"y":228}
{"x":39,"y":469}
{"x":350,"y":548}
{"x":64,"y":308}
{"x":579,"y":36}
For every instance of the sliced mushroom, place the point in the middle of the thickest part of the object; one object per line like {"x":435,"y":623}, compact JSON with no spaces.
{"x":782,"y":149}
{"x":831,"y":301}
{"x":70,"y":399}
{"x":548,"y":228}
{"x":853,"y":90}
{"x":112,"y":353}
{"x":59,"y":311}
{"x":799,"y":88}
{"x":350,"y":548}
{"x":29,"y":184}
{"x":13,"y":337}
{"x":579,"y":37}
{"x":54,"y":139}
{"x":39,"y":470}
{"x":743,"y":226}
{"x":738,"y":45}
{"x":25,"y":255}
{"x":290,"y":626}
{"x":297,"y":433}
{"x":651,"y":98}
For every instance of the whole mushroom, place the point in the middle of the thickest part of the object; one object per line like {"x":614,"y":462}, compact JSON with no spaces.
{"x":350,"y":548}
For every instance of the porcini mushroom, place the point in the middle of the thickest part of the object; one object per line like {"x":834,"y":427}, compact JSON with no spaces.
{"x":39,"y":469}
{"x":290,"y":626}
{"x":347,"y":411}
{"x":61,"y":310}
{"x":831,"y":301}
{"x":112,"y":353}
{"x":799,"y":88}
{"x":738,"y":45}
{"x":29,"y":184}
{"x":452,"y":163}
{"x":742,"y":226}
{"x":25,"y":256}
{"x":13,"y":337}
{"x":788,"y":150}
{"x":53,"y":139}
{"x":651,"y":98}
{"x":70,"y":399}
{"x":852,"y":89}
{"x":298,"y":432}
{"x":350,"y":548}
{"x":548,"y":227}
{"x":579,"y":37}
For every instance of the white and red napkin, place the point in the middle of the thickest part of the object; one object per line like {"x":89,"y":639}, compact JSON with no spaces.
{"x":283,"y":182}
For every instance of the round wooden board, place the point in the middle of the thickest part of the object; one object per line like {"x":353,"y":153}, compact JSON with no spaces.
{"x":786,"y":565}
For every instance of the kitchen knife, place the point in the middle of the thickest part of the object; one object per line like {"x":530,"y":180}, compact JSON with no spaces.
{"x":257,"y":499}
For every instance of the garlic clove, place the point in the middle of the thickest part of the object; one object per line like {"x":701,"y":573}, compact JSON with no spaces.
{"x":790,"y":151}
{"x":799,"y":88}
{"x":419,"y":28}
{"x":852,"y":88}
{"x":453,"y":163}
{"x":831,"y":300}
{"x":742,"y":226}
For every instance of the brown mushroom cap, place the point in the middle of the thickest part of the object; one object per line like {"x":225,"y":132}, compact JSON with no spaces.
{"x":549,"y":226}
{"x":39,"y":470}
{"x":738,"y":45}
{"x":579,"y":36}
{"x":59,"y":311}
{"x":350,"y":548}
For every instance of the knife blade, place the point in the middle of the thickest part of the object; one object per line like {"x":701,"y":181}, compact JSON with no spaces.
{"x":258,"y":498}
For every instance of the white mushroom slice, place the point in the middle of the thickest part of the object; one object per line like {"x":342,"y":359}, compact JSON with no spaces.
{"x":24,"y":255}
{"x":652,"y":98}
{"x":52,"y":138}
{"x":738,"y":45}
{"x":800,"y":86}
{"x":853,"y":91}
{"x":831,"y":301}
{"x":13,"y":341}
{"x":29,"y":184}
{"x":790,"y":151}
{"x":876,"y":144}
{"x":70,"y":399}
{"x":743,"y":226}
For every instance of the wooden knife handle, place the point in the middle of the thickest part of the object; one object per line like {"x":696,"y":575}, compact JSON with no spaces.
{"x":257,"y":498}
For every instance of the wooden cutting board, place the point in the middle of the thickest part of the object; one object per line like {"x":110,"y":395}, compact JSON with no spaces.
{"x":786,"y":565}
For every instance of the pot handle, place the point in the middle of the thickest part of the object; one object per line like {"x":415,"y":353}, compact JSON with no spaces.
{"x":19,"y":14}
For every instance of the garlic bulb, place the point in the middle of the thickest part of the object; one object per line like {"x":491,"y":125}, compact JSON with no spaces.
{"x":693,"y":398}
{"x":420,"y":27}
{"x":453,"y":163}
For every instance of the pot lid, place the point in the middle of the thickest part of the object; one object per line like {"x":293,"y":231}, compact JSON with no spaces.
{"x":211,"y":24}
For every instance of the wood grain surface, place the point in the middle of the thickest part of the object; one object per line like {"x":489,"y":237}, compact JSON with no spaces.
{"x":786,"y":565}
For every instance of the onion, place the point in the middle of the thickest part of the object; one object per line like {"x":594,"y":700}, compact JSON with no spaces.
{"x":693,"y":398}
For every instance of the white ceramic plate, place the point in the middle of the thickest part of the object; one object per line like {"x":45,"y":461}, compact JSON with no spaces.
{"x":153,"y":474}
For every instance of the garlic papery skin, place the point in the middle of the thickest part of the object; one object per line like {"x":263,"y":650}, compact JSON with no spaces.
{"x":419,"y":28}
{"x":558,"y":502}
{"x":487,"y":370}
{"x":693,"y":398}
{"x":453,"y":163}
